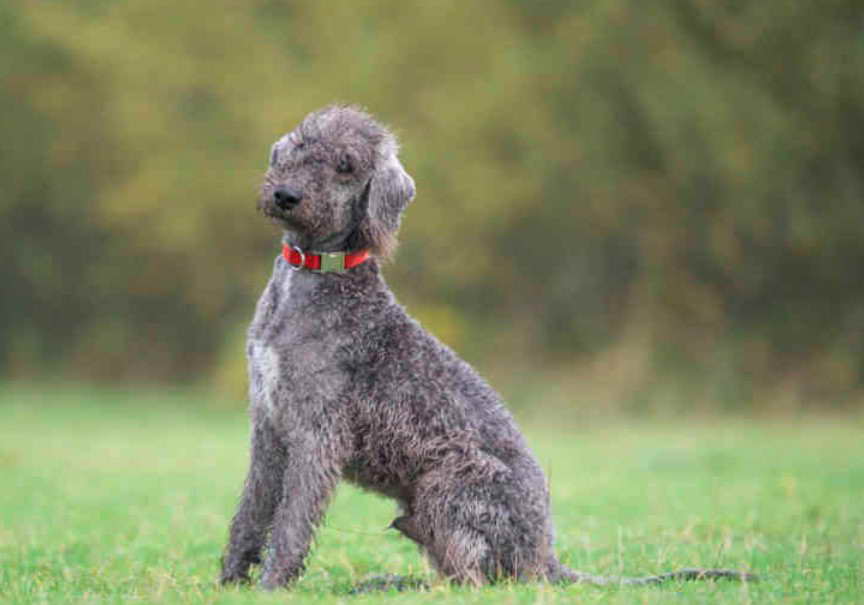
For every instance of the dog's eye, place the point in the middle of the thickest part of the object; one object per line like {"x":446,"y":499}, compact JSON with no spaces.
{"x":345,"y":165}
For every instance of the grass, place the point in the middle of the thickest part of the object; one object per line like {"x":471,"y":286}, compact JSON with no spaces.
{"x":117,"y":498}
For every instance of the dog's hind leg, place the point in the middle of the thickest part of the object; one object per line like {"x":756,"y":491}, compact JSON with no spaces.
{"x":472,"y":538}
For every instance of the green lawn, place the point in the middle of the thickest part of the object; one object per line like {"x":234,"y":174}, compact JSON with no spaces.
{"x":118,"y":498}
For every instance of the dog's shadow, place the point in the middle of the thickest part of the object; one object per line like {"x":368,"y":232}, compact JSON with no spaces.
{"x":388,"y":582}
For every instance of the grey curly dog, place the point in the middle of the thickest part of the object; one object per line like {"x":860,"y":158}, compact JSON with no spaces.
{"x":344,"y":384}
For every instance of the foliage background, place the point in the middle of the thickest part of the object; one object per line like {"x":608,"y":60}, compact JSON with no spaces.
{"x":661,"y":200}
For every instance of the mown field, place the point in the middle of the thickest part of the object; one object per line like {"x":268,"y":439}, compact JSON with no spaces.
{"x":111,"y":497}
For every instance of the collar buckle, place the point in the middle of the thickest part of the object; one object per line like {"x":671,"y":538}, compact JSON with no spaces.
{"x":332,"y":262}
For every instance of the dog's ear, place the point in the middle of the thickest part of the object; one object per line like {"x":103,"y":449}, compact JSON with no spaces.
{"x":388,"y":193}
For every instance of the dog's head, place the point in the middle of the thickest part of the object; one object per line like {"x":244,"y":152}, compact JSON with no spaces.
{"x":335,"y":182}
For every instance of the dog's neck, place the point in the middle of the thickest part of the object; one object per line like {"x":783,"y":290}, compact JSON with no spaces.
{"x":337,"y":242}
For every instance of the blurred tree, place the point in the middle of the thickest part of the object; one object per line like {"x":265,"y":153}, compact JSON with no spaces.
{"x":54,"y":157}
{"x":681,"y":178}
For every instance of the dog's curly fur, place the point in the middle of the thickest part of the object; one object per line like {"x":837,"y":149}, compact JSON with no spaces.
{"x":344,"y":384}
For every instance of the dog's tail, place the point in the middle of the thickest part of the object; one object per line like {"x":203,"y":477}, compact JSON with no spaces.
{"x":569,"y":576}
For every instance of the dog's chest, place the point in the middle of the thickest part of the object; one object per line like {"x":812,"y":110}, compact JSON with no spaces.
{"x":263,"y":375}
{"x":293,"y":357}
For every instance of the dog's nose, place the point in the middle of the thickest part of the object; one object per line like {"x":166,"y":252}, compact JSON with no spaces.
{"x":286,"y":198}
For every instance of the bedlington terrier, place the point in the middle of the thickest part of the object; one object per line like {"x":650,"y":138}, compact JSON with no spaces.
{"x":344,"y":384}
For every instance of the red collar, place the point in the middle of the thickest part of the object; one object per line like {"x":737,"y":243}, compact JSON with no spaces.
{"x":323,"y":262}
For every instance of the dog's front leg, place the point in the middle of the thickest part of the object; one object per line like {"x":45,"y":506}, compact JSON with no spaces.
{"x":308,"y":481}
{"x":261,"y":492}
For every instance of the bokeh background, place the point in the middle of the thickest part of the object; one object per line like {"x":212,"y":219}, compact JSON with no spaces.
{"x":622,"y":205}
